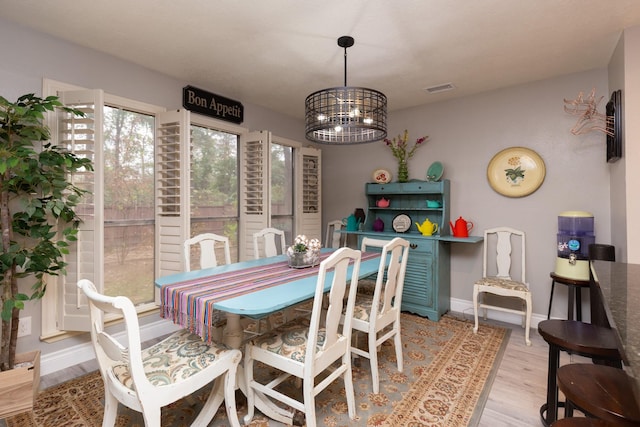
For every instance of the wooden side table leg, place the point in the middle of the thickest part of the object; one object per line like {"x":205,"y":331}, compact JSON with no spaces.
{"x":549,"y":410}
{"x":553,"y":284}
{"x":572,"y":293}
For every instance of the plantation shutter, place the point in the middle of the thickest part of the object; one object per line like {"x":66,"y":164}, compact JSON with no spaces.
{"x":308,"y":198}
{"x":255,"y":200}
{"x":82,"y":136}
{"x":173,"y":142}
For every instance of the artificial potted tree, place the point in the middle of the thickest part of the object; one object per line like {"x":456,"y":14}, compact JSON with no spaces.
{"x":37,"y":222}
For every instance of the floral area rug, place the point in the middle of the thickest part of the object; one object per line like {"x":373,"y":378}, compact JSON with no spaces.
{"x":448,"y":372}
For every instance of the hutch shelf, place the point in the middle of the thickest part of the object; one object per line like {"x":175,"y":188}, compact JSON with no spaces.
{"x":427,"y":286}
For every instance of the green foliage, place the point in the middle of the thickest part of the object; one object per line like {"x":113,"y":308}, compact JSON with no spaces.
{"x":213,"y":168}
{"x":514,"y":174}
{"x":37,"y":201}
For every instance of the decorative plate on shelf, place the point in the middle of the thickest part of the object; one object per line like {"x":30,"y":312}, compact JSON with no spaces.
{"x":381,"y":176}
{"x":516,"y":172}
{"x":435,"y":171}
{"x":401,"y":223}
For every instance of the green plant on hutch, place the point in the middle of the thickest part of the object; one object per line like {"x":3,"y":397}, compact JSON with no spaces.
{"x":401,"y":151}
{"x":37,"y":201}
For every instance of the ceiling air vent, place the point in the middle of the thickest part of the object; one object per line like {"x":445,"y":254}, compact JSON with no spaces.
{"x":440,"y":88}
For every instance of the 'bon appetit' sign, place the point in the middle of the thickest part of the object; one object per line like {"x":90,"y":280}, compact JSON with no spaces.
{"x":212,"y":105}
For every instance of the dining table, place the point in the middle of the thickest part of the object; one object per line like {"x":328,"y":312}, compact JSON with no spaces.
{"x":247,"y":289}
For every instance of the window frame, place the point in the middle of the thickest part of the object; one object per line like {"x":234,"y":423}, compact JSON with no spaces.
{"x":50,"y":306}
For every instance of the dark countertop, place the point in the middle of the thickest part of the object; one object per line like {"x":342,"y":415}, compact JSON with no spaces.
{"x":619,"y":286}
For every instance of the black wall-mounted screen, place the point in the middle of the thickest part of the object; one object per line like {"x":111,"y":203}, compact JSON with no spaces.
{"x":614,"y":126}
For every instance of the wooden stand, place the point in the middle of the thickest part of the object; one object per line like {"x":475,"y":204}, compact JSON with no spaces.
{"x":19,"y":386}
{"x":575,"y":286}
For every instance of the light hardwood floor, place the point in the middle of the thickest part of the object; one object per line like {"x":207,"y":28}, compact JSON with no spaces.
{"x":518,"y":390}
{"x":520,"y":387}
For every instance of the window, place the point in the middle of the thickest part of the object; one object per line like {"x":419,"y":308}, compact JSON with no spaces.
{"x":282,"y":183}
{"x":128,"y":204}
{"x":286,"y":197}
{"x":214,"y":185}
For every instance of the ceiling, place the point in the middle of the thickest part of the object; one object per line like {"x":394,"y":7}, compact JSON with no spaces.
{"x":274,"y":53}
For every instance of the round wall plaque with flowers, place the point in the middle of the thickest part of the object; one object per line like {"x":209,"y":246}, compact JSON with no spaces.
{"x":516,"y":172}
{"x":400,"y":148}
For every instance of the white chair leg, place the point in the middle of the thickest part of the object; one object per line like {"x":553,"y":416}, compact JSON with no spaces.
{"x":212,"y":404}
{"x":354,"y":338}
{"x":397,"y":342}
{"x":348,"y":388}
{"x":110,"y":410}
{"x":309,"y":403}
{"x":527,"y":319}
{"x":151,"y":416}
{"x":249,"y":392}
{"x":373,"y":360}
{"x":230,"y":396}
{"x":475,"y":309}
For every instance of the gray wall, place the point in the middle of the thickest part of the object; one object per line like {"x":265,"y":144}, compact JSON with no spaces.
{"x":618,"y":198}
{"x":29,"y":57}
{"x":631,"y":136}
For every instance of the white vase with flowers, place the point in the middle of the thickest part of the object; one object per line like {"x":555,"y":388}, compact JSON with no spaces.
{"x":304,"y":252}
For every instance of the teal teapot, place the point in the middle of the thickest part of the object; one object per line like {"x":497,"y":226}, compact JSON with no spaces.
{"x":351,"y":222}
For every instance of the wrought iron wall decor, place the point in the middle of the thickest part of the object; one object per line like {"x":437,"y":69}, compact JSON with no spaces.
{"x":614,"y":123}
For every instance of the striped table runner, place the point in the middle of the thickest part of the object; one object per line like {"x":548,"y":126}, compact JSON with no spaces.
{"x":190,"y":303}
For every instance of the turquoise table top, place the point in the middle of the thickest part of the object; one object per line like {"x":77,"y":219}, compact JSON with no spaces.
{"x":265,"y":301}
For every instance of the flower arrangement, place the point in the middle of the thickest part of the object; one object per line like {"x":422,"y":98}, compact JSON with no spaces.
{"x":516,"y":173}
{"x":400,"y":148}
{"x":304,"y":252}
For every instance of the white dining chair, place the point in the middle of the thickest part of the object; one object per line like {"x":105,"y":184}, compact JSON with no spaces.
{"x":271,"y":240}
{"x":333,"y":237}
{"x":378,"y":315}
{"x":307,"y":347}
{"x":146,"y":380}
{"x":207,"y":243}
{"x":496,"y":278}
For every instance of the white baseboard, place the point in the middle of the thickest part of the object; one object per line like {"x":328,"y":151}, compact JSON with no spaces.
{"x":63,"y":359}
{"x":466,"y":307}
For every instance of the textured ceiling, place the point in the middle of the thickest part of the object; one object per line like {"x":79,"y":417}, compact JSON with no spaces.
{"x":275,"y":52}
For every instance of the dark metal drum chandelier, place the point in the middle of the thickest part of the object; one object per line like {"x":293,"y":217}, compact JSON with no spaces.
{"x":346,"y":115}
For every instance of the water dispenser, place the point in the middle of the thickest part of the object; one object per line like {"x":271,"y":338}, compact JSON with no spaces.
{"x":575,"y":234}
